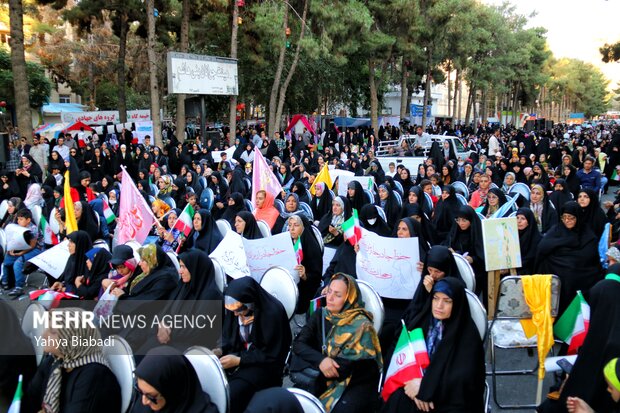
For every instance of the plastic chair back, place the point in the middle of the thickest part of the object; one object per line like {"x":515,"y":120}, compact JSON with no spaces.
{"x":372,"y":303}
{"x":211,"y":375}
{"x":278,"y":282}
{"x":121,"y":361}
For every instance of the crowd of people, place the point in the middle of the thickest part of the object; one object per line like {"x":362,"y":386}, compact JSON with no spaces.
{"x":560,"y":221}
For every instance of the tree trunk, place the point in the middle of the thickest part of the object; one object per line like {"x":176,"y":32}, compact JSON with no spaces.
{"x":154,"y":86}
{"x":291,"y":71}
{"x":374,"y":100}
{"x":18,"y":66}
{"x":468,"y":107}
{"x":273,"y":123}
{"x":475,"y":108}
{"x":484,"y":106}
{"x":183,"y":47}
{"x":232,"y":119}
{"x":404,"y":91}
{"x":449,"y":69}
{"x":427,"y":86}
{"x":457,"y":84}
{"x":460,"y":95}
{"x":514,"y":104}
{"x":121,"y":75}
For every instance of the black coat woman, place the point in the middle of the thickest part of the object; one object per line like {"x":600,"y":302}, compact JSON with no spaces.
{"x":255,"y":341}
{"x":570,"y":250}
{"x":529,"y":238}
{"x":454,"y":379}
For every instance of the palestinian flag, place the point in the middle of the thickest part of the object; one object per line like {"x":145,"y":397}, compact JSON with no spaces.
{"x":408,"y":361}
{"x":185,"y":221}
{"x":48,"y":235}
{"x":573,"y":325}
{"x":107,"y":212}
{"x":352,"y":229}
{"x":299,"y":253}
{"x":15,"y":407}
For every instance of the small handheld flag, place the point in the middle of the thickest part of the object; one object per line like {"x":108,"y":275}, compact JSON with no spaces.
{"x":299,"y":253}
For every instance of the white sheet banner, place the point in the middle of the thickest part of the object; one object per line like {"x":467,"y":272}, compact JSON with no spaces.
{"x":335,"y":173}
{"x":389,"y":264}
{"x":53,"y":260}
{"x":367,"y":182}
{"x":231,"y":256}
{"x":103,"y":117}
{"x":15,"y":238}
{"x":265,"y":253}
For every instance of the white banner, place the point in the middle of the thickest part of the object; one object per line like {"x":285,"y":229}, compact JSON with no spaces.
{"x":335,"y":173}
{"x":265,"y":253}
{"x":202,"y":75}
{"x":102,"y":117}
{"x":230,"y":151}
{"x":53,"y":260}
{"x":389,"y":265}
{"x":15,"y":238}
{"x":143,"y":129}
{"x":343,"y":182}
{"x":231,"y":256}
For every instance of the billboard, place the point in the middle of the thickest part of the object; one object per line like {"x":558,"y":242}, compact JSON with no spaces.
{"x":201,"y":75}
{"x":103,"y":117}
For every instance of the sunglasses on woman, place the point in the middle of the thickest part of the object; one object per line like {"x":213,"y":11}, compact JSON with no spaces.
{"x":150,"y":398}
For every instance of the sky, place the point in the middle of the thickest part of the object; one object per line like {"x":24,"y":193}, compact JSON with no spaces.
{"x":576,"y":28}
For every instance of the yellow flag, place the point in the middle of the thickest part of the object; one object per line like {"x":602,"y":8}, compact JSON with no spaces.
{"x":537,"y":293}
{"x":323,"y":176}
{"x":70,"y":221}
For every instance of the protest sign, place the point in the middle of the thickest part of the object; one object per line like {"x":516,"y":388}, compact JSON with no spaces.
{"x":53,"y":260}
{"x":15,"y":238}
{"x":328,"y":255}
{"x":231,"y":256}
{"x":264,"y":253}
{"x":389,"y":264}
{"x":501,"y":244}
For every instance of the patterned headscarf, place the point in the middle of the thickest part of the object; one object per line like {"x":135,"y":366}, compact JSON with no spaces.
{"x":352,"y":337}
{"x":72,"y":356}
{"x":167,"y":185}
{"x":148,"y":253}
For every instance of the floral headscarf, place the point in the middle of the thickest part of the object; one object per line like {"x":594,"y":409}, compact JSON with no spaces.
{"x":352,"y":337}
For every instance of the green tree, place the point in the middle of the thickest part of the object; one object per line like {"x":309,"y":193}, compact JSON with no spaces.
{"x":39,"y":86}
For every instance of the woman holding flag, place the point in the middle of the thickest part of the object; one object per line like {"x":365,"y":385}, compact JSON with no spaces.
{"x":309,"y":260}
{"x":438,"y":363}
{"x":349,"y":357}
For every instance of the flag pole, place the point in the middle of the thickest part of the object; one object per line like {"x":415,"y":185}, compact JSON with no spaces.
{"x":410,"y":345}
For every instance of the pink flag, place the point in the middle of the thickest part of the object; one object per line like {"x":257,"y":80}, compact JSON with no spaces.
{"x":135,"y":216}
{"x":263,"y":177}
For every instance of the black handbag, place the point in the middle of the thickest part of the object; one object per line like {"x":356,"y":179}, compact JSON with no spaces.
{"x":306,"y":378}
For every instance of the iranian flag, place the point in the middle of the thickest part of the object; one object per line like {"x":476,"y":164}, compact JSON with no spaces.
{"x":17,"y":399}
{"x":572,"y":327}
{"x":352,"y":229}
{"x":299,"y":253}
{"x":184,"y":222}
{"x":107,"y":212}
{"x":408,"y":361}
{"x":48,"y":235}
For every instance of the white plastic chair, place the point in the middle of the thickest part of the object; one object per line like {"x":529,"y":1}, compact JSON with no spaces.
{"x":121,"y":361}
{"x":461,"y":188}
{"x":319,"y":237}
{"x":307,"y":210}
{"x":33,"y":331}
{"x":220,"y":275}
{"x":278,"y":282}
{"x":521,"y":189}
{"x":478,"y":313}
{"x":309,"y":403}
{"x":399,"y":199}
{"x":36,"y":214}
{"x":264,"y":228}
{"x":3,"y":240}
{"x":175,"y":260}
{"x":223,"y":226}
{"x":381,"y":213}
{"x":100,"y":243}
{"x":211,"y":375}
{"x":372,"y":303}
{"x":461,"y":199}
{"x":249,"y":205}
{"x":466,"y":271}
{"x":4,"y":207}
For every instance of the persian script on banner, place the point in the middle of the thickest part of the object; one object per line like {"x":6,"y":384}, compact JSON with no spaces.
{"x":265,"y":253}
{"x":230,"y":254}
{"x":389,"y":264}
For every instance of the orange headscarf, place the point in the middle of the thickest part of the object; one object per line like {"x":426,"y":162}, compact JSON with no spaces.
{"x":268,"y":212}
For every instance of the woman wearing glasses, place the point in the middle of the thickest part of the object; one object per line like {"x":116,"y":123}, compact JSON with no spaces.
{"x":166,"y":381}
{"x":570,"y":250}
